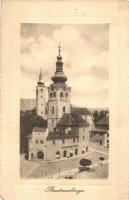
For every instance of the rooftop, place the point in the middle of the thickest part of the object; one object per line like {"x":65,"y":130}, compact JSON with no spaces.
{"x":103,"y":121}
{"x":39,"y":129}
{"x":81,"y":111}
{"x":57,"y":135}
{"x":74,"y":120}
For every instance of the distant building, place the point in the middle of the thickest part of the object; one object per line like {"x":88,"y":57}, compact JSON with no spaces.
{"x":27,"y":104}
{"x":99,"y":135}
{"x":67,"y":134}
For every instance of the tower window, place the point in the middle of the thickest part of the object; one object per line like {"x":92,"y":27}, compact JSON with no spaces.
{"x":53,"y":110}
{"x":50,"y":95}
{"x":64,"y":109}
{"x":61,"y":94}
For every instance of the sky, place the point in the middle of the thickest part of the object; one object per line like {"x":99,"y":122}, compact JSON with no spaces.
{"x":85,"y":51}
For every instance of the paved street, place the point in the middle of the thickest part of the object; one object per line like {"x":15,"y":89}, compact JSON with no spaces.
{"x":42,"y":169}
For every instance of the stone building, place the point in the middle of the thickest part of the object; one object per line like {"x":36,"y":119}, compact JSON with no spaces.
{"x":67,"y":134}
{"x":99,"y":135}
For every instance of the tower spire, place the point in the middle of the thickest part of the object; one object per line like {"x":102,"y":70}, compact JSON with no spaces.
{"x":59,"y":74}
{"x":41,"y":82}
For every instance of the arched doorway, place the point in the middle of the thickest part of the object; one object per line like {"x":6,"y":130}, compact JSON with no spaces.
{"x":40,"y":155}
{"x":57,"y":155}
{"x":71,"y":153}
{"x":64,"y":153}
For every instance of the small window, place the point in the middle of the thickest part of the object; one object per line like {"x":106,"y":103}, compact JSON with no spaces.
{"x":83,"y":151}
{"x":66,"y":95}
{"x":41,"y":90}
{"x":53,"y":110}
{"x":73,"y":140}
{"x":83,"y":137}
{"x":63,"y":141}
{"x":41,"y":142}
{"x":76,"y":151}
{"x":50,"y":95}
{"x":52,"y":88}
{"x":41,"y":97}
{"x":36,"y":141}
{"x":41,"y":112}
{"x":53,"y":141}
{"x":87,"y":149}
{"x":61,"y":94}
{"x":54,"y":94}
{"x":64,"y":109}
{"x":41,"y":104}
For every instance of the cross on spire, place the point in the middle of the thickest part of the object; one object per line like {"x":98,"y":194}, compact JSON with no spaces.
{"x":59,"y":48}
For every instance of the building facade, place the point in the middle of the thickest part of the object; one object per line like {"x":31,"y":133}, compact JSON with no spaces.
{"x":67,"y":134}
{"x":99,"y":135}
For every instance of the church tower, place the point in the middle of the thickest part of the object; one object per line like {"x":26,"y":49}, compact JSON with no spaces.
{"x":58,"y":95}
{"x":41,"y":97}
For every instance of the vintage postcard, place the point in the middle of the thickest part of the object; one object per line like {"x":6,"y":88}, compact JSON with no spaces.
{"x":64,"y":108}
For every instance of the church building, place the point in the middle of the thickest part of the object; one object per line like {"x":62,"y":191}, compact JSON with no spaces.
{"x":67,"y":134}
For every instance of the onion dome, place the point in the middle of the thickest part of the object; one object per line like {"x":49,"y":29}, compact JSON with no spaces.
{"x":59,"y":76}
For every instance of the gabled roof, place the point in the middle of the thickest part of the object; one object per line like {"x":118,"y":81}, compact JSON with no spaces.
{"x":103,"y":121}
{"x":59,"y":135}
{"x":80,"y":111}
{"x":39,"y":129}
{"x":69,"y":120}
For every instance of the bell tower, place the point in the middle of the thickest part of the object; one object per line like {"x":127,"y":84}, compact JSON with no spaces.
{"x":58,"y":95}
{"x":41,"y":97}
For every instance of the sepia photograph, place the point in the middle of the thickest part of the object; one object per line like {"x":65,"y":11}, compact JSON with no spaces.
{"x":64,"y":101}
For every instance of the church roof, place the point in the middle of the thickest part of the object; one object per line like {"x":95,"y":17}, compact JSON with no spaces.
{"x":72,"y":120}
{"x":81,"y":111}
{"x":59,"y":135}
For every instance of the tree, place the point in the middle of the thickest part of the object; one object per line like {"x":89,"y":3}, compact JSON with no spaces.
{"x":29,"y":120}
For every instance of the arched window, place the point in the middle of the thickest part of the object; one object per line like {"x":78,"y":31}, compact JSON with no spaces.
{"x":61,"y":94}
{"x":76,"y":151}
{"x":53,"y":110}
{"x":41,"y":141}
{"x":64,"y":153}
{"x":64,"y":109}
{"x":57,"y":155}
